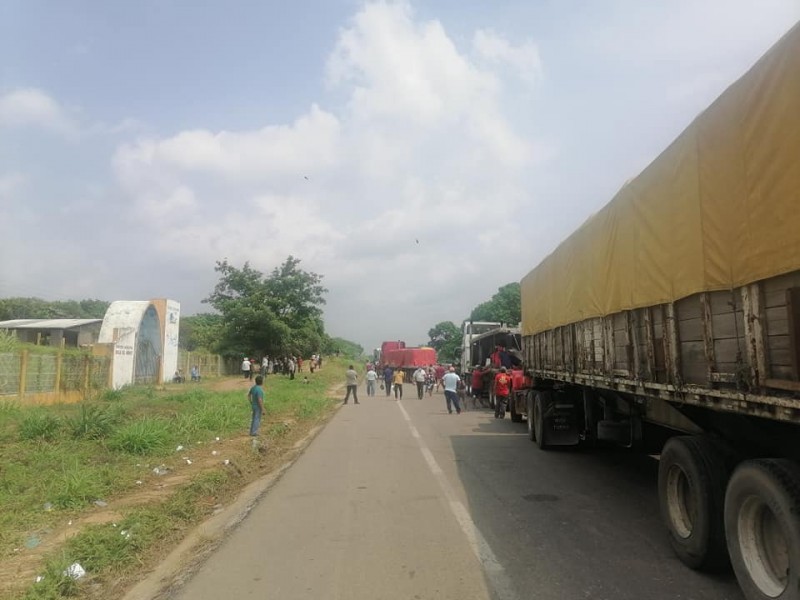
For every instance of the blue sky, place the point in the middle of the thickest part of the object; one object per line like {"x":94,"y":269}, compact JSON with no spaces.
{"x":142,"y":141}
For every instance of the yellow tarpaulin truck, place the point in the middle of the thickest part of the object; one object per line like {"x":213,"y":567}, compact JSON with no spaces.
{"x":670,"y":321}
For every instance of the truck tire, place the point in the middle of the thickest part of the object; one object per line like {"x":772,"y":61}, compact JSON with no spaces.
{"x":692,"y":475}
{"x":512,"y":407}
{"x":541,"y":402}
{"x":530,"y":402}
{"x":762,"y":523}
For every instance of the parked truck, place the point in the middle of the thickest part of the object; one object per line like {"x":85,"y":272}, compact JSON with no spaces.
{"x":397,"y":355}
{"x":670,"y":322}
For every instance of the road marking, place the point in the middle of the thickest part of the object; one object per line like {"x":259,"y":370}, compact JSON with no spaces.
{"x":495,"y":573}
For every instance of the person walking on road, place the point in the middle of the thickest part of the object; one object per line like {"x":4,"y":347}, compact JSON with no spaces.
{"x":351,"y":378}
{"x":419,"y":379}
{"x":502,"y":389}
{"x":246,"y":368}
{"x":372,"y":380}
{"x":397,"y":384}
{"x":388,"y":374}
{"x":450,"y":382}
{"x":256,"y":398}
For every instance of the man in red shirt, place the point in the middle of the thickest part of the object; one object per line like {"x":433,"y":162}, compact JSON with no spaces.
{"x":502,"y":388}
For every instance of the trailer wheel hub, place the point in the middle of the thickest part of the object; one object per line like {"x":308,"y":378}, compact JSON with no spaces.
{"x":680,"y":501}
{"x":764,"y":547}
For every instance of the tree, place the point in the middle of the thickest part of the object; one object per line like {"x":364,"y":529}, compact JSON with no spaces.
{"x":445,"y":338}
{"x":36,"y":308}
{"x":200,"y":332}
{"x":279,"y":314}
{"x":504,"y":306}
{"x":344,"y":347}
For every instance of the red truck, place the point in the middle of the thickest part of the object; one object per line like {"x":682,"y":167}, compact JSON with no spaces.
{"x":398,"y":356}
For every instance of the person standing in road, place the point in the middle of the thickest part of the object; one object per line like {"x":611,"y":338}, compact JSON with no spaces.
{"x":502,"y":388}
{"x":246,"y":368}
{"x":450,"y":382}
{"x":388,"y":374}
{"x":439,"y":371}
{"x":351,"y":377}
{"x":397,"y":384}
{"x":419,"y":379}
{"x":372,"y":379}
{"x":256,"y":398}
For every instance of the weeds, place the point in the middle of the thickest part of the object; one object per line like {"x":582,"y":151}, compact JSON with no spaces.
{"x":91,"y":423}
{"x":41,"y":426}
{"x":145,"y":436}
{"x":77,"y":486}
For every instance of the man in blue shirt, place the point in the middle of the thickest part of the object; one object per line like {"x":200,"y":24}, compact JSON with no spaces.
{"x":256,"y":397}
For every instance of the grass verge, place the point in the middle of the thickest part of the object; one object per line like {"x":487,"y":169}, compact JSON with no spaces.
{"x":78,"y":483}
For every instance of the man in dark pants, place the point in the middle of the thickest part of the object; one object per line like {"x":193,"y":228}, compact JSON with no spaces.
{"x":352,"y":385}
{"x":419,"y":378}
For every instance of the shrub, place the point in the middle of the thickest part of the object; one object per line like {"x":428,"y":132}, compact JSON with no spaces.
{"x":91,"y":423}
{"x":41,"y":426}
{"x":77,"y":486}
{"x":145,"y":436}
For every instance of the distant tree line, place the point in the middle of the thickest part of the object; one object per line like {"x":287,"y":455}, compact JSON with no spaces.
{"x":504,"y":306}
{"x":276,"y":314}
{"x":36,"y":308}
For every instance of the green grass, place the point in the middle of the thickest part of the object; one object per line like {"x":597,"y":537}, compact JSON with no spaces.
{"x":64,"y":457}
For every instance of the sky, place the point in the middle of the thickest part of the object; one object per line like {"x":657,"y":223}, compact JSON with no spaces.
{"x":418,"y":155}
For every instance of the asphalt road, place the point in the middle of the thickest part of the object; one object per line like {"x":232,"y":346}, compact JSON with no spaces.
{"x":400,"y":500}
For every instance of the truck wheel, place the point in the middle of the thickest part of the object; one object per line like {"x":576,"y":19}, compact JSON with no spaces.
{"x":762,"y":522}
{"x":512,"y":407}
{"x":692,"y":475}
{"x":531,"y":428}
{"x":540,"y":404}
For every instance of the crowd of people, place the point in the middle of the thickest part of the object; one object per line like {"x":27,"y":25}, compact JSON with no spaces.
{"x":283,"y":365}
{"x":426,"y":379}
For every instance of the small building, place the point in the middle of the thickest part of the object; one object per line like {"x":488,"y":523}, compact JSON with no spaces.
{"x":55,"y":332}
{"x":145,"y":338}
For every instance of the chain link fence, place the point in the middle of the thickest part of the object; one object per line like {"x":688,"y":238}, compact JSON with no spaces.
{"x":55,"y":376}
{"x":24,"y":373}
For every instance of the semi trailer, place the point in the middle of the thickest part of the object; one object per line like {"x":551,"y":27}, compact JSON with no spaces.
{"x":669,"y":322}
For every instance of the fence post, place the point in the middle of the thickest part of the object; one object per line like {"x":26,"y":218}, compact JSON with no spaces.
{"x":86,"y":368}
{"x":219,"y":366}
{"x":23,"y":373}
{"x":59,"y":368}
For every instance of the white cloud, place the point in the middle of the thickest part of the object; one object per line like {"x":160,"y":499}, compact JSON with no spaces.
{"x":32,"y":107}
{"x":422,"y":149}
{"x":524,"y":58}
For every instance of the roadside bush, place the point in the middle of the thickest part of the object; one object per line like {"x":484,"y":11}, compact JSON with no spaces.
{"x":91,"y":423}
{"x":77,"y":486}
{"x":112,"y":395}
{"x":39,"y":426}
{"x":54,"y":584}
{"x":145,"y":436}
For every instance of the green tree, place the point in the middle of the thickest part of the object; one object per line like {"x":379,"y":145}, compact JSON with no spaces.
{"x":200,"y":332}
{"x":279,"y":314}
{"x":337,"y":345}
{"x":445,"y":337}
{"x":36,"y":308}
{"x":504,"y":306}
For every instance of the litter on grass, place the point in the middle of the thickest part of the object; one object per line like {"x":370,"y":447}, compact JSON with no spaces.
{"x":75,"y":571}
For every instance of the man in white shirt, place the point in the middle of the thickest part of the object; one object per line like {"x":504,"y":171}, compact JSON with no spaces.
{"x":371,"y":378}
{"x":351,"y":378}
{"x":419,"y":379}
{"x":246,"y":368}
{"x":451,"y":381}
